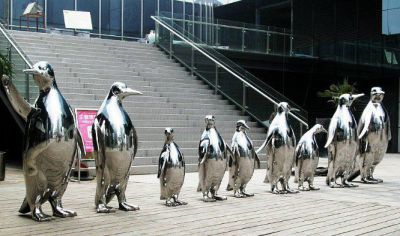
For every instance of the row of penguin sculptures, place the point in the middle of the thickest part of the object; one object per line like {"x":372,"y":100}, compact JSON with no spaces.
{"x":52,"y":140}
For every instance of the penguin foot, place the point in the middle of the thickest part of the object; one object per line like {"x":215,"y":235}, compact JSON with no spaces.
{"x":277,"y":191}
{"x":63,"y":213}
{"x":208,"y":199}
{"x":102,"y":208}
{"x":291,"y":191}
{"x":124,"y":206}
{"x":180,"y":203}
{"x":229,"y":188}
{"x":302,"y":188}
{"x":220,"y":198}
{"x":313,"y":188}
{"x":248,"y":194}
{"x":168,"y":203}
{"x":238,"y":195}
{"x":335,"y":185}
{"x":348,"y":185}
{"x":377,"y":180}
{"x":39,"y":216}
{"x":367,"y":181}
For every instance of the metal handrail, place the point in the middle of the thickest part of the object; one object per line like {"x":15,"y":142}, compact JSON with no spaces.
{"x":14,"y":45}
{"x":224,"y":67}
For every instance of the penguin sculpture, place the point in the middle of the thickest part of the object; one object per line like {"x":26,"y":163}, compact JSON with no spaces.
{"x":342,"y":142}
{"x":374,"y":135}
{"x":115,"y":145}
{"x":280,"y":146}
{"x":50,"y":143}
{"x":171,"y":170}
{"x":212,"y":161}
{"x":307,"y":157}
{"x":242,"y":162}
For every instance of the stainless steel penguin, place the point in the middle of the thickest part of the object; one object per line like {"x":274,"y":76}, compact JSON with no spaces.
{"x":242,"y":162}
{"x":280,"y":146}
{"x":374,"y":135}
{"x":171,"y":170}
{"x":50,"y":143}
{"x":342,"y":142}
{"x":307,"y":157}
{"x":212,"y":161}
{"x":115,"y":145}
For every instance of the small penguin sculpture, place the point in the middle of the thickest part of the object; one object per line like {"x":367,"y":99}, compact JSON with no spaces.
{"x":280,"y":146}
{"x":115,"y":145}
{"x":242,"y":162}
{"x":307,"y":157}
{"x":212,"y":161}
{"x":342,"y":142}
{"x":171,"y":170}
{"x":374,"y":135}
{"x":50,"y":143}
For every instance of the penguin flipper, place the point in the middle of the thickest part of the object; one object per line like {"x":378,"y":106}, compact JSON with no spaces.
{"x":203,"y":150}
{"x":389,"y":132}
{"x":162,"y":161}
{"x":233,"y":169}
{"x":257,"y":162}
{"x":24,"y":207}
{"x":331,"y":131}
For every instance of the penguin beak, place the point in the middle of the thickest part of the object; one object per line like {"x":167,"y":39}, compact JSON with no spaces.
{"x":357,"y":96}
{"x":294,"y":109}
{"x":245,"y":126}
{"x":32,"y":71}
{"x":129,"y":91}
{"x":324,"y":130}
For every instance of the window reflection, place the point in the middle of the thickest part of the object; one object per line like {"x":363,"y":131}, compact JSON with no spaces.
{"x":132,"y":19}
{"x":111,"y":17}
{"x":149,"y":7}
{"x":55,"y":16}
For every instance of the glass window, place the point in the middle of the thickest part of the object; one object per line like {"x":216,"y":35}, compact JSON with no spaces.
{"x":132,"y":18}
{"x":391,"y":21}
{"x":55,"y":15}
{"x":165,"y":6}
{"x":19,"y":7}
{"x":111,"y":17}
{"x":390,"y":4}
{"x":149,"y":9}
{"x":91,"y":6}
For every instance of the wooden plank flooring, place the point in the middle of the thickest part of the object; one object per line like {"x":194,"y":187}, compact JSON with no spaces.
{"x":368,"y":209}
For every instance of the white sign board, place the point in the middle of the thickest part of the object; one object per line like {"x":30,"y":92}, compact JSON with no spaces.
{"x":77,"y":20}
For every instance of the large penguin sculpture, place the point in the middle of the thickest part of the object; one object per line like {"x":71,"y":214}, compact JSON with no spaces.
{"x":115,"y":145}
{"x":171,"y":170}
{"x":307,"y":157}
{"x":374,"y":135}
{"x":342,"y":142}
{"x":242,"y":162}
{"x":212,"y":161}
{"x":280,"y":146}
{"x":50,"y":143}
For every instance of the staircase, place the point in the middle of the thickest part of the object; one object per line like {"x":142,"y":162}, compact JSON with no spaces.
{"x":85,"y":68}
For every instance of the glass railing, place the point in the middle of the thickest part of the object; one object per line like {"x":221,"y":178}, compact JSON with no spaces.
{"x":23,"y":82}
{"x":245,"y":37}
{"x":251,"y":95}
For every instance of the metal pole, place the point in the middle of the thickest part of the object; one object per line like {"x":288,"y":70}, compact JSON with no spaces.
{"x":172,"y":11}
{"x":192,"y":62}
{"x":201,"y":21}
{"x":171,"y":38}
{"x":193,"y":20}
{"x":291,"y":28}
{"x":183,"y":16}
{"x":11,"y":14}
{"x":243,"y":32}
{"x":45,"y":14}
{"x":268,"y":36}
{"x":206,"y":20}
{"x":158,"y":7}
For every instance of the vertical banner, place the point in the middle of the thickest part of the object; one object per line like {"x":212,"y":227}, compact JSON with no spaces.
{"x":84,"y":119}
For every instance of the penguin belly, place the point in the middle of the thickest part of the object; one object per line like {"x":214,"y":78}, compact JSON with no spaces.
{"x":117,"y":166}
{"x":49,"y":169}
{"x":214,"y":172}
{"x":246,"y":170}
{"x":308,"y":167}
{"x":344,"y":158}
{"x":378,"y":142}
{"x":172,"y":182}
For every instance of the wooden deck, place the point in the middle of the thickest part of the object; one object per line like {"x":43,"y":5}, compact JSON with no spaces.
{"x":368,"y":209}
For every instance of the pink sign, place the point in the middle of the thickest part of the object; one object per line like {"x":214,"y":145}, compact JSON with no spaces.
{"x":84,"y":119}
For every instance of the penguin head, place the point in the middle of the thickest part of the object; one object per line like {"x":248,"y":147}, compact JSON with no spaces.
{"x":284,"y":107}
{"x":43,"y":74}
{"x":319,"y":129}
{"x":169,"y":134}
{"x":210,"y":121}
{"x":377,"y":94}
{"x":347,"y":99}
{"x":121,"y":91}
{"x":241,"y":126}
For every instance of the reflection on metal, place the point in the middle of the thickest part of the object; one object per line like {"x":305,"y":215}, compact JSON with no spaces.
{"x":212,"y":161}
{"x":280,"y":146}
{"x":50,"y":143}
{"x":171,"y":170}
{"x":115,"y":145}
